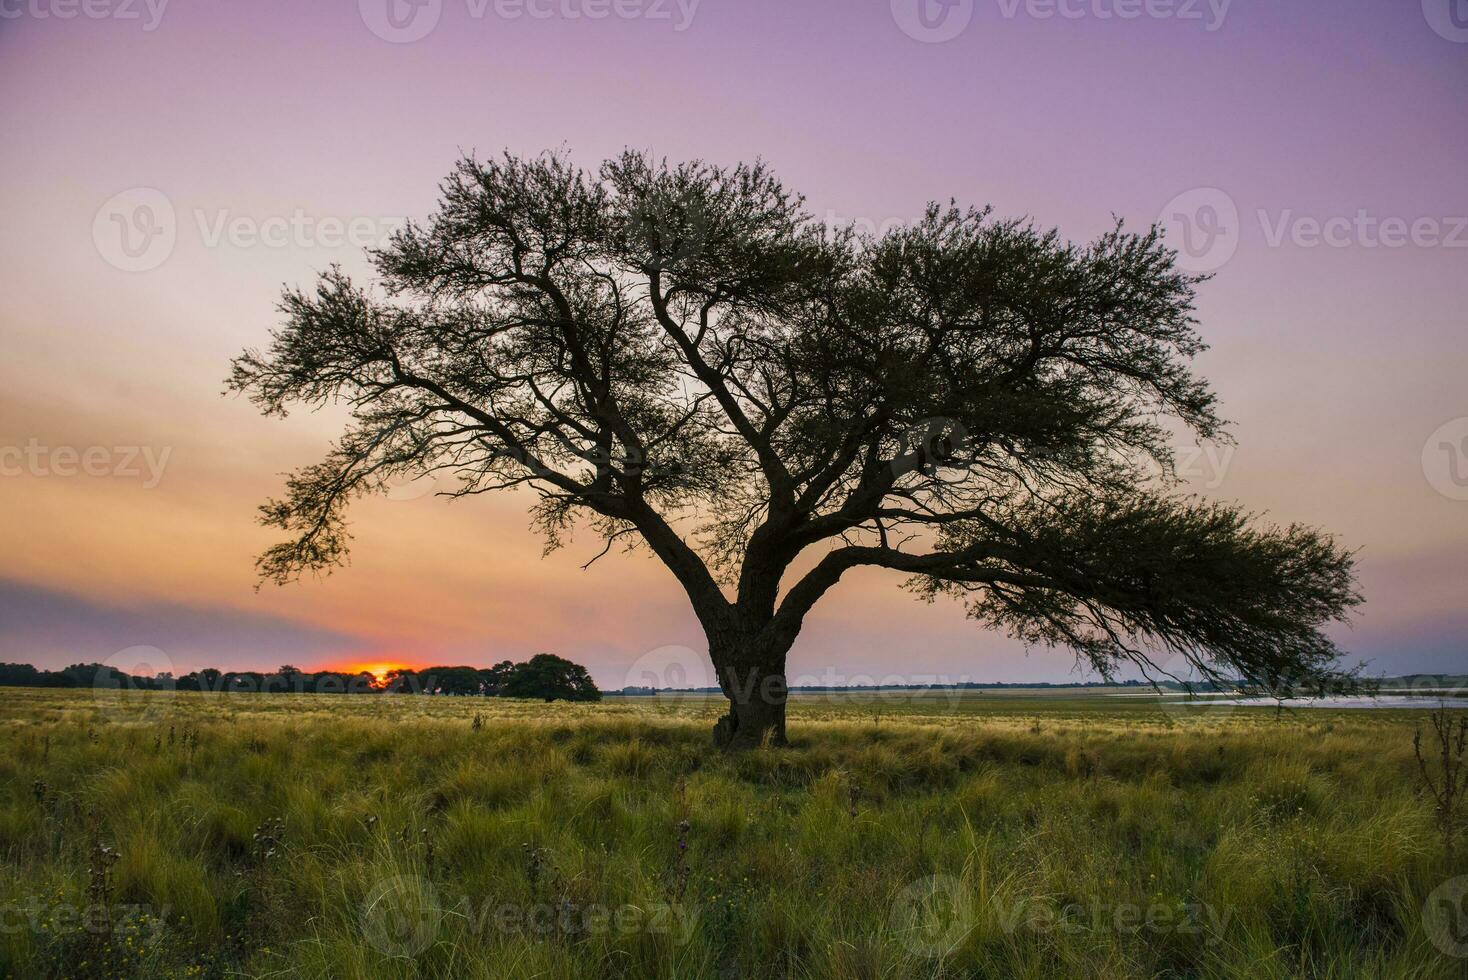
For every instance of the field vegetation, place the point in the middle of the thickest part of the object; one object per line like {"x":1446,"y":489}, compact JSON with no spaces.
{"x":1013,"y":834}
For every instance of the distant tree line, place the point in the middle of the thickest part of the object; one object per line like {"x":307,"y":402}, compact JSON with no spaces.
{"x":638,"y":691}
{"x":544,"y":676}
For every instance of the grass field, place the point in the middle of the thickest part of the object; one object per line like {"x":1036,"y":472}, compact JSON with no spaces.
{"x":997,"y":835}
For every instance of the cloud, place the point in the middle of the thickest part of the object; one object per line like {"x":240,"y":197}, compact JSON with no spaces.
{"x":52,"y":629}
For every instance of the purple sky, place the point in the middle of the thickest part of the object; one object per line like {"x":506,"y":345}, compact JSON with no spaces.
{"x":1313,"y":154}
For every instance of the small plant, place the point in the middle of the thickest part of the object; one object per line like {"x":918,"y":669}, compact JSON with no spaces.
{"x":1451,"y":734}
{"x":269,"y":839}
{"x":99,"y":878}
{"x":407,"y":839}
{"x":678,"y":869}
{"x":478,"y":723}
{"x":537,"y":866}
{"x":39,"y":789}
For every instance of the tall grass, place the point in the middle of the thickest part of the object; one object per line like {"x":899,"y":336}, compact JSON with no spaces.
{"x":286,"y":836}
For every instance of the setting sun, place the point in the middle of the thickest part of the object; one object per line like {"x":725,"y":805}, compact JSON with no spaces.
{"x":379,"y":669}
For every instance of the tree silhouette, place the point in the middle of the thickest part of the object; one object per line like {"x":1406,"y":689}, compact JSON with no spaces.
{"x":679,"y":356}
{"x":551,"y":678}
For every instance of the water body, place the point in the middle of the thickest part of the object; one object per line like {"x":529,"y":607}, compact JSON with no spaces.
{"x":1418,"y":702}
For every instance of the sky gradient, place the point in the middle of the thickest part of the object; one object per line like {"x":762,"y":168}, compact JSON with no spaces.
{"x":169,"y":167}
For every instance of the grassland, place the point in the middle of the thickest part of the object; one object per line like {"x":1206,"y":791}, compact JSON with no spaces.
{"x":996,"y":835}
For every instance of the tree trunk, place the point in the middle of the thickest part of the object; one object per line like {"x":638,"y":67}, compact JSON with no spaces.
{"x":756,"y":717}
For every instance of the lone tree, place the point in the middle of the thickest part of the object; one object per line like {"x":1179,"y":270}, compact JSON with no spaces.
{"x":681,"y":357}
{"x":551,"y":678}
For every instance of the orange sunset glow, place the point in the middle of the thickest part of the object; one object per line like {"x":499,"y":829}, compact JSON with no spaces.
{"x":379,"y":669}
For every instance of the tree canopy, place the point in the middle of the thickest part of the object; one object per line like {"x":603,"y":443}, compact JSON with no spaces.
{"x":677,"y":355}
